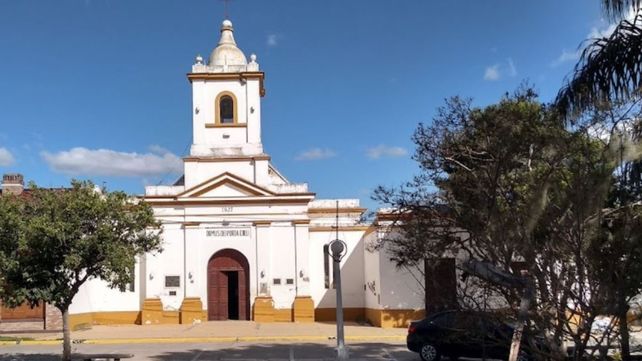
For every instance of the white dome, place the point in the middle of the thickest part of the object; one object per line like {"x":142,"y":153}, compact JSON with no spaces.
{"x":227,"y":53}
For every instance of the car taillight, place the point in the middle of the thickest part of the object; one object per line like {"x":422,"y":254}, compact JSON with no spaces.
{"x":412,"y":329}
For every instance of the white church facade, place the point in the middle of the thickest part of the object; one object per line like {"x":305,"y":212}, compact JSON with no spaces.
{"x":240,"y":241}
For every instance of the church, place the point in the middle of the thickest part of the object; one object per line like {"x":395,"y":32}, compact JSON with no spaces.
{"x":240,"y":240}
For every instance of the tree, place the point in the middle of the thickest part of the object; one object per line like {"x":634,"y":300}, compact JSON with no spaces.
{"x":11,"y":224}
{"x":610,"y":68}
{"x":511,"y":183}
{"x":66,"y":237}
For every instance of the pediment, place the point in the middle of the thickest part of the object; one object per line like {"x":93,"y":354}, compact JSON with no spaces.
{"x":226,"y":185}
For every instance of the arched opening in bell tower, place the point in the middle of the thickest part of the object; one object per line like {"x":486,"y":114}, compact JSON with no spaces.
{"x":226,"y":112}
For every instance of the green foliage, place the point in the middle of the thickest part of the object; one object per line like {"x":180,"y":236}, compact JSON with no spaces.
{"x":59,"y":238}
{"x":616,"y":9}
{"x":511,"y":182}
{"x":609,"y":71}
{"x":11,"y":224}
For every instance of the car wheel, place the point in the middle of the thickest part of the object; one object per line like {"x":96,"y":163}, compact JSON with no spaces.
{"x":429,"y":353}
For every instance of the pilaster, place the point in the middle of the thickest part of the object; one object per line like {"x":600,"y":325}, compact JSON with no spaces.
{"x":303,"y":309}
{"x":262,"y":258}
{"x":152,"y":313}
{"x":191,"y":311}
{"x":302,"y":238}
{"x":263,"y":310}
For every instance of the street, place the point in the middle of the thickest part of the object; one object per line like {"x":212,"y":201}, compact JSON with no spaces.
{"x":218,"y":351}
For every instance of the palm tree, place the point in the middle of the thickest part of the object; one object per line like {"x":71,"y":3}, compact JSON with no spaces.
{"x":609,"y":72}
{"x":610,"y":68}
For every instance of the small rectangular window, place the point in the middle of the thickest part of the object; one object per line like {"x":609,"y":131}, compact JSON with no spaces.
{"x":289,"y":281}
{"x":172,"y":293}
{"x":276,"y":281}
{"x":172,"y":281}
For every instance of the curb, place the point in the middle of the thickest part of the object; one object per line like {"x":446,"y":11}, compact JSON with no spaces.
{"x":115,"y":341}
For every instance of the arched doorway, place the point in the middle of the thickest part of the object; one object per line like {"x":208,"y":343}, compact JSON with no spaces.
{"x":228,"y":286}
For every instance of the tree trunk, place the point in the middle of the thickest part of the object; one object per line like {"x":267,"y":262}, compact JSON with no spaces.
{"x":66,"y":336}
{"x":624,"y":332}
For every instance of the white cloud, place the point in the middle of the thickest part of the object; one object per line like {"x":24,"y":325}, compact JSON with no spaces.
{"x":603,"y":30}
{"x":385,"y":151}
{"x":492,"y":73}
{"x":272,"y":40}
{"x":316,"y":154}
{"x":512,"y":71}
{"x":6,"y":158}
{"x":495,"y":72}
{"x":107,"y":162}
{"x":606,"y":28}
{"x":565,"y":57}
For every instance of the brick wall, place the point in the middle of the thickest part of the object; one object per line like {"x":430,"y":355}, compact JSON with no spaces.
{"x":53,"y":318}
{"x":14,"y":326}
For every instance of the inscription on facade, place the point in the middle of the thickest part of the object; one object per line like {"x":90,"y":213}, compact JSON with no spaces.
{"x":228,"y":233}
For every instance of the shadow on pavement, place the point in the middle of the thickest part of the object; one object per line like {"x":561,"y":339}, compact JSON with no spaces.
{"x":298,"y":351}
{"x":275,"y":351}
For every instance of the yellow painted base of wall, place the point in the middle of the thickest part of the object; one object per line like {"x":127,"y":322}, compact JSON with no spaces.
{"x":392,"y":318}
{"x":373,"y":317}
{"x":171,"y":318}
{"x":303,"y":309}
{"x":263,"y":310}
{"x":191,"y":311}
{"x":282,"y":315}
{"x":352,"y":314}
{"x":81,"y":320}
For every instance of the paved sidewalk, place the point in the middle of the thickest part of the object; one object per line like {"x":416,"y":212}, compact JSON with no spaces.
{"x":215,"y":331}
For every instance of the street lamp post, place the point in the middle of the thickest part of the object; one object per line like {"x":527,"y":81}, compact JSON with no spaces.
{"x":338,"y":250}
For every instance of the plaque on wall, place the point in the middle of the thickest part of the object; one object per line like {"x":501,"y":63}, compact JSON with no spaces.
{"x":240,"y":233}
{"x":172,"y":281}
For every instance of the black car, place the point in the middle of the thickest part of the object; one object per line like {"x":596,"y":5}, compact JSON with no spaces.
{"x":462,"y":334}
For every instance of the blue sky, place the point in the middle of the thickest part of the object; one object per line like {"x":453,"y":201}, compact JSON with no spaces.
{"x":347,"y":81}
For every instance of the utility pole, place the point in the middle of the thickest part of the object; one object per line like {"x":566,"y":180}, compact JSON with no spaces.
{"x":338,"y":250}
{"x":523,"y":282}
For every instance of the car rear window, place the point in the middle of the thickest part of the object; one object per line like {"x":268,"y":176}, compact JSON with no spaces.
{"x":444,"y":319}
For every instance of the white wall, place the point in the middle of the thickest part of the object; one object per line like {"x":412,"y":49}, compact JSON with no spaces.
{"x":372,"y":272}
{"x":167,"y":263}
{"x":282,"y":254}
{"x":96,"y":296}
{"x":352,"y":269}
{"x":247,"y":95}
{"x":398,"y":287}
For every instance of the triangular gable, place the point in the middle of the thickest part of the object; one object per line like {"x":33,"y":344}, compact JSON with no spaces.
{"x":226,"y":185}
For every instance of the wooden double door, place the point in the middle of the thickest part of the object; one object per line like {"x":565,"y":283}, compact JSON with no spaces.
{"x":228,"y":291}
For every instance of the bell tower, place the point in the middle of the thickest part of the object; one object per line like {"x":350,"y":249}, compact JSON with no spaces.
{"x":226,"y":107}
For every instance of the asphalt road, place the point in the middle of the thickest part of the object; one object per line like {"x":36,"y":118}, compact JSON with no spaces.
{"x":219,"y":351}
